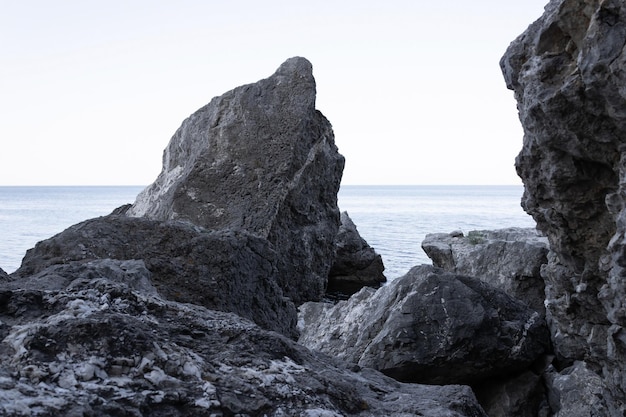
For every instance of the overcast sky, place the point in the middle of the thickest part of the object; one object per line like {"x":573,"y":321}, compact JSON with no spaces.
{"x":92,"y":91}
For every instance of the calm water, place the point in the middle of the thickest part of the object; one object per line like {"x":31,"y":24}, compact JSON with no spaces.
{"x":31,"y":214}
{"x":393,"y":219}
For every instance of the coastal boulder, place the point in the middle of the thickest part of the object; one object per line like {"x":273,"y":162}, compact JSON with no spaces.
{"x":260,"y":159}
{"x":231,"y":271}
{"x":102,"y":342}
{"x":356,"y":263}
{"x":428,"y":326}
{"x":509,"y":259}
{"x":568,"y":72}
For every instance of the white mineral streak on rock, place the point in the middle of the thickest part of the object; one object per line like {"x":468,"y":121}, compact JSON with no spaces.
{"x":151,"y":195}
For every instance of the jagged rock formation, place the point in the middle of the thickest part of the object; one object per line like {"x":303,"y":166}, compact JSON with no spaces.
{"x":568,"y":74}
{"x":98,"y":340}
{"x":259,"y":158}
{"x":230,"y":271}
{"x":3,"y":275}
{"x":509,"y":259}
{"x":356,"y":263}
{"x":429,"y":327}
{"x":148,"y":311}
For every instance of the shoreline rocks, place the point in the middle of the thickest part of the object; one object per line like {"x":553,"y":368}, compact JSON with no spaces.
{"x":101,"y":343}
{"x":156,"y":309}
{"x":428,"y":327}
{"x":509,"y":259}
{"x":356,"y":263}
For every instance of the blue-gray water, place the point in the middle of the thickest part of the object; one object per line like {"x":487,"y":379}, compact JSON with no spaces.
{"x":393,"y":219}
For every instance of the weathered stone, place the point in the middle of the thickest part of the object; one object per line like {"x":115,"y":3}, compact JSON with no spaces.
{"x":259,"y":158}
{"x":356,"y":263}
{"x":230,"y":271}
{"x":509,"y":259}
{"x":579,"y":392}
{"x":429,"y":327}
{"x":3,"y":275}
{"x":103,"y":347}
{"x":568,"y":74}
{"x":522,"y":395}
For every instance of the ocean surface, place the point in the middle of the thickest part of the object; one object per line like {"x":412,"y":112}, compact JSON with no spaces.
{"x":393,"y":219}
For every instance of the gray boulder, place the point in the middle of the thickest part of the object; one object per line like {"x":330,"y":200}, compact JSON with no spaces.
{"x":261,"y":159}
{"x":578,"y":391}
{"x":230,"y":271}
{"x":428,"y":327}
{"x":356,"y":263}
{"x":103,"y":342}
{"x":509,"y":259}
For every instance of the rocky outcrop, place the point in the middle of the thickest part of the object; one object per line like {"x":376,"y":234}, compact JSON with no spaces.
{"x":95,"y":338}
{"x":579,"y":391}
{"x":429,"y":327}
{"x":262,"y":159}
{"x":230,"y":271}
{"x":356,"y":263}
{"x":509,"y":259}
{"x":568,"y":74}
{"x":3,"y":275}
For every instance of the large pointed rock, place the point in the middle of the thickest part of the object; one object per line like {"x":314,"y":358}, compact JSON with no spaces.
{"x":259,"y":158}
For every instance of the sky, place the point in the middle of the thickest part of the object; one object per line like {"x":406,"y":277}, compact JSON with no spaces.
{"x":92,"y":91}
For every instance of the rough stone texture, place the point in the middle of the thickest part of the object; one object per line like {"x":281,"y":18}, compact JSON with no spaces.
{"x":356,"y":263}
{"x":568,"y":74}
{"x":103,"y":343}
{"x":259,"y":158}
{"x":509,"y":259}
{"x":3,"y":275}
{"x":429,"y":327}
{"x":579,"y":392}
{"x":520,"y":396}
{"x":222,"y":270}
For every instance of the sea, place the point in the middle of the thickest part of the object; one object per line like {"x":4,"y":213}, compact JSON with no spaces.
{"x":393,"y":219}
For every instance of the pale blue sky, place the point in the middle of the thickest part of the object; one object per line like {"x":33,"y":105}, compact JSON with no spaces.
{"x":92,"y":91}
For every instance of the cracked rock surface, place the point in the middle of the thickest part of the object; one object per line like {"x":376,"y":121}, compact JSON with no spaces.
{"x":429,"y":326}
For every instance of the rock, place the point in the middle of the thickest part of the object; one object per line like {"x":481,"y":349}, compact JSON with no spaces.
{"x":522,"y":395}
{"x":578,"y":391}
{"x":509,"y":259}
{"x":428,"y":327}
{"x":568,"y":71}
{"x":3,"y":275}
{"x":356,"y":263}
{"x":259,"y":158}
{"x":102,"y":347}
{"x":230,"y":271}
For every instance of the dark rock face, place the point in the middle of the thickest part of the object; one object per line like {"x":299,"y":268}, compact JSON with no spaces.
{"x":428,"y":327}
{"x":567,"y":72}
{"x":522,"y":395}
{"x":259,"y":158}
{"x":102,"y":342}
{"x":356,"y":263}
{"x":3,"y":275}
{"x":509,"y":259}
{"x":222,"y":270}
